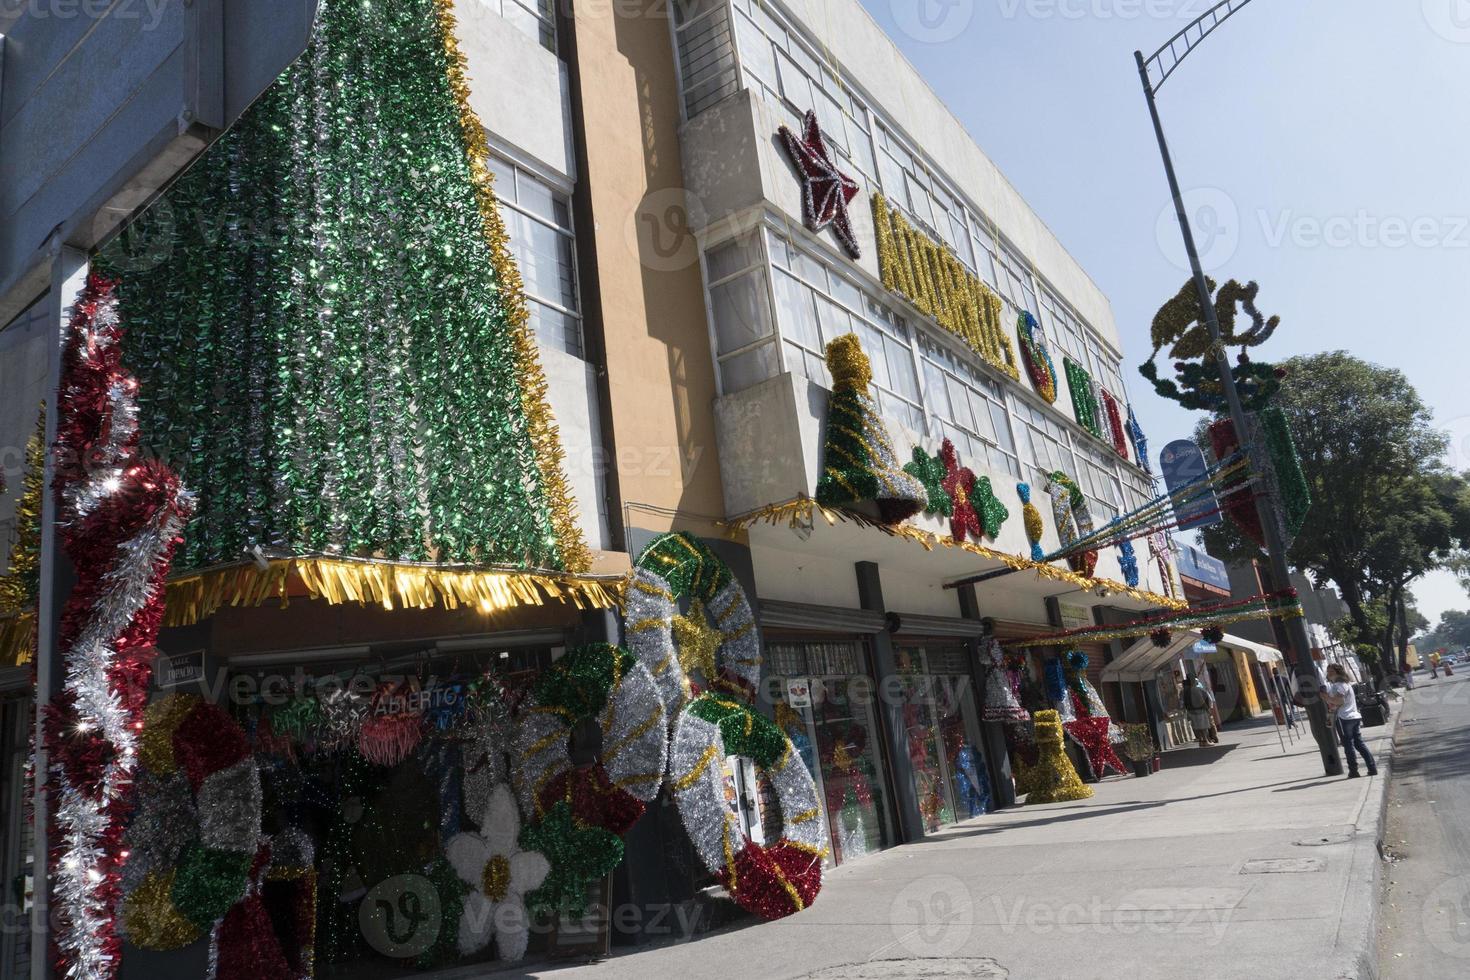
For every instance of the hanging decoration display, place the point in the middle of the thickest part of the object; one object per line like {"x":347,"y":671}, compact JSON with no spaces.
{"x":716,"y":641}
{"x":976,"y":509}
{"x":1034,"y":354}
{"x":930,"y":471}
{"x":120,"y":515}
{"x":346,"y":367}
{"x":606,"y":684}
{"x":825,"y":191}
{"x":1180,"y":323}
{"x":1212,"y":634}
{"x":1054,"y":675}
{"x":1284,"y":604}
{"x":192,"y":844}
{"x":933,"y":278}
{"x":771,"y":880}
{"x":21,"y":583}
{"x":500,"y":874}
{"x":1128,"y":562}
{"x":1074,"y":519}
{"x":1286,"y":482}
{"x":1031,"y":517}
{"x":1117,"y":435}
{"x":803,"y":511}
{"x":1139,"y":440}
{"x":1053,"y":779}
{"x":1000,"y":696}
{"x":1237,"y":498}
{"x":858,"y":462}
{"x":1084,"y":396}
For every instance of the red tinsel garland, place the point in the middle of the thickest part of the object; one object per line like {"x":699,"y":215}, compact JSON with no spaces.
{"x":1116,"y":429}
{"x":120,"y":517}
{"x":1239,"y":504}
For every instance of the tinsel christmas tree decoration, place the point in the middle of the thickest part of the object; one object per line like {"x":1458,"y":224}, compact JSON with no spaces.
{"x":21,"y":583}
{"x":500,"y":875}
{"x":120,"y":515}
{"x":774,"y":879}
{"x":338,"y":349}
{"x":1001,"y":703}
{"x":1053,"y":779}
{"x":825,"y":190}
{"x":858,"y":462}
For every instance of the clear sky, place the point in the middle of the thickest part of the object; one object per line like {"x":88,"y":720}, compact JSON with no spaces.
{"x":1322,"y":145}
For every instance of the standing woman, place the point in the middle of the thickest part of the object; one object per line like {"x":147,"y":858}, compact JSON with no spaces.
{"x":1196,"y":701}
{"x":1339,"y":695}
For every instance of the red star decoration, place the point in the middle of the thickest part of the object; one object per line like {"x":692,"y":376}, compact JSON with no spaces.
{"x":825,"y":190}
{"x":959,"y":483}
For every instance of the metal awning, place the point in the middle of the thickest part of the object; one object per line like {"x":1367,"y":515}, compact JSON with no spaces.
{"x":1143,"y":660}
{"x":1264,"y":654}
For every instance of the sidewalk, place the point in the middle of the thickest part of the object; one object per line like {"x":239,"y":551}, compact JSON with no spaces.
{"x":1196,"y":871}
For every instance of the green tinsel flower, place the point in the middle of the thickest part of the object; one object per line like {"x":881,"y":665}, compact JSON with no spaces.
{"x":579,"y":855}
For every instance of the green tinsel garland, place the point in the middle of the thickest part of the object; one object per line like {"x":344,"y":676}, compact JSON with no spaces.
{"x":324,"y":345}
{"x":1291,"y":483}
{"x":745,"y":733}
{"x":577,"y":684}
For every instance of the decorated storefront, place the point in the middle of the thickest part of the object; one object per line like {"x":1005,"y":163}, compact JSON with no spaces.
{"x":946,"y":760}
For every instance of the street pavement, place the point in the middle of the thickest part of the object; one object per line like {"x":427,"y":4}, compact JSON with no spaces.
{"x":1241,"y":860}
{"x":1426,"y":912}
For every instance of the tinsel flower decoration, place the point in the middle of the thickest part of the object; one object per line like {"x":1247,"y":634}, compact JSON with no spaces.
{"x":579,"y":854}
{"x":500,"y":874}
{"x":1212,"y":634}
{"x":1161,"y":637}
{"x":930,"y":472}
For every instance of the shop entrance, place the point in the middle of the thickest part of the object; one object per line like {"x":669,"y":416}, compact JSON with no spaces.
{"x":942,"y":732}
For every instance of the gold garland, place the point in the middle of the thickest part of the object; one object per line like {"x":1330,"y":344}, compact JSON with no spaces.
{"x":932,"y":277}
{"x":1124,"y":633}
{"x":543,"y":432}
{"x":802,"y":510}
{"x":194,"y":597}
{"x":17,"y":638}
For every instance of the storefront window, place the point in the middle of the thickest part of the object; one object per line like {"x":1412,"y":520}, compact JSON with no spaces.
{"x":942,"y":733}
{"x":827,"y":708}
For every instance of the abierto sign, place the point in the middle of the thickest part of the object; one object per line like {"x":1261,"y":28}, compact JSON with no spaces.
{"x":103,"y":103}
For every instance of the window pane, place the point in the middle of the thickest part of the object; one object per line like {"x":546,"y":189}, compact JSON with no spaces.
{"x":740,"y":312}
{"x":505,"y":179}
{"x":536,"y":197}
{"x":935,"y":390}
{"x":794,"y":85}
{"x":756,"y":54}
{"x":1002,"y":428}
{"x":752,"y":367}
{"x":795,"y":312}
{"x":846,"y":293}
{"x":731,"y":257}
{"x":901,"y":368}
{"x":833,"y":321}
{"x":960,"y":399}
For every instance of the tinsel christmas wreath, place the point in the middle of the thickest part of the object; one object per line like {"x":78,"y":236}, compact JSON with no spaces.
{"x":772,"y":880}
{"x":715,"y":639}
{"x":606,"y":684}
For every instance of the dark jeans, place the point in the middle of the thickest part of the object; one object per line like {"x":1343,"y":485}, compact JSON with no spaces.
{"x":1351,"y":733}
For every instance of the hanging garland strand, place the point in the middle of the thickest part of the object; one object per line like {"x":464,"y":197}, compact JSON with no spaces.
{"x":1283,"y":603}
{"x":121,"y":516}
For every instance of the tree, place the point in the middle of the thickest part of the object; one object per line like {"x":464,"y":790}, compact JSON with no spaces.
{"x":1385,"y":509}
{"x":1453,"y":630}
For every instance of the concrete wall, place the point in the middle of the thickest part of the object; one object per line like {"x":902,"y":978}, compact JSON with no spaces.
{"x":521,"y":95}
{"x":660,"y":372}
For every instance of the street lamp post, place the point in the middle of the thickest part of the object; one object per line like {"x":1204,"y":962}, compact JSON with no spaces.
{"x":1175,"y":50}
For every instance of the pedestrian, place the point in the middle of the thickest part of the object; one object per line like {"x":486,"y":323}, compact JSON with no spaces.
{"x":1340,"y":696}
{"x":1196,"y":701}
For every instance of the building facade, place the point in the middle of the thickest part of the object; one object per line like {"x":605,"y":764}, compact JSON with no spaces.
{"x":682,"y":302}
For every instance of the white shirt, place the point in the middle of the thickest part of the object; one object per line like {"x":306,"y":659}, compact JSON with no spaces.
{"x":1348,"y":710}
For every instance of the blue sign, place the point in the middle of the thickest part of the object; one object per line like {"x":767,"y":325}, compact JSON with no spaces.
{"x":1183,"y":464}
{"x":1196,"y":564}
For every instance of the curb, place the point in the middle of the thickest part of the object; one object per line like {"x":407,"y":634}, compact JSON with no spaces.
{"x":1356,"y":957}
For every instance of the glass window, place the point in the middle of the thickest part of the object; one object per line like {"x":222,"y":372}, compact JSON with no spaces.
{"x":740,"y":312}
{"x":740,"y":371}
{"x":538,"y":219}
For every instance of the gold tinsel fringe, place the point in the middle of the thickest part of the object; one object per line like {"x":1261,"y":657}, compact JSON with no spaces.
{"x":543,"y":432}
{"x":194,"y":597}
{"x":17,"y":639}
{"x":803,"y":509}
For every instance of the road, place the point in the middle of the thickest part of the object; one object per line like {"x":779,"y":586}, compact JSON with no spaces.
{"x":1424,"y":929}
